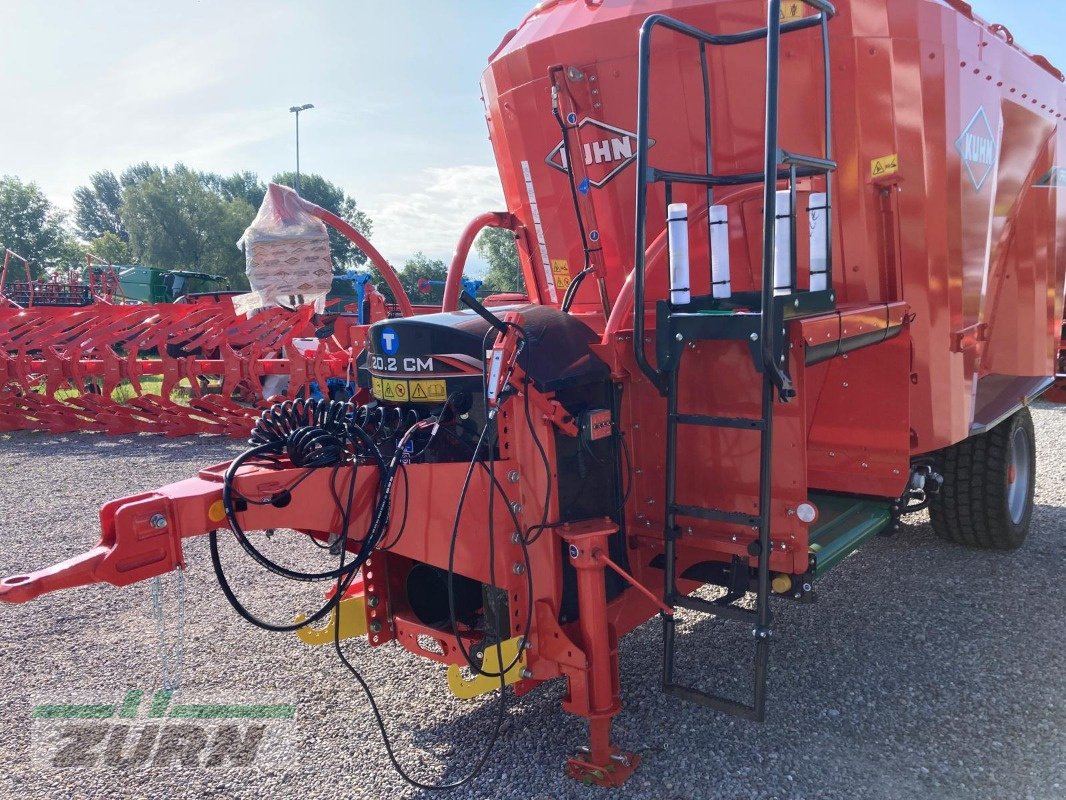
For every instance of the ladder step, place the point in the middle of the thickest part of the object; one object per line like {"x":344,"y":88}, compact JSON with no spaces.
{"x":722,"y":704}
{"x":744,"y":423}
{"x":816,"y":163}
{"x":716,"y":515}
{"x":709,"y":607}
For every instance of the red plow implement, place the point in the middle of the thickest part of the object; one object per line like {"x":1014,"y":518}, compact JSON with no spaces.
{"x":165,"y":368}
{"x":74,"y":358}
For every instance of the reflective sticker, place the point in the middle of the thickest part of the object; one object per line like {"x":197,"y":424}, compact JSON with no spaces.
{"x":886,"y":165}
{"x":561,"y":273}
{"x":217,"y":511}
{"x":427,"y":391}
{"x":531,"y":193}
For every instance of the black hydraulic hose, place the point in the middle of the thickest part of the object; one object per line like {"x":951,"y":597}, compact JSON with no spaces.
{"x":281,"y":432}
{"x":571,"y":291}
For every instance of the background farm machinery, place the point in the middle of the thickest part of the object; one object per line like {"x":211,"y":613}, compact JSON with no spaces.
{"x":760,"y":327}
{"x":125,"y":350}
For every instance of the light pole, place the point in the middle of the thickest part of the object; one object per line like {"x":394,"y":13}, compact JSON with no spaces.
{"x":296,"y":110}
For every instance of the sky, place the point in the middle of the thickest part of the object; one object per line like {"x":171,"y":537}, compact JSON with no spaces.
{"x":398,"y":119}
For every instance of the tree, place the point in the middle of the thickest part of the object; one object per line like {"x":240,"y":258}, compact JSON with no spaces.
{"x":176,"y":221}
{"x":136,"y":173}
{"x":331,"y":197}
{"x":32,"y":227}
{"x":497,"y":246}
{"x":416,"y":268}
{"x":96,"y":207}
{"x":110,"y":248}
{"x":238,"y":186}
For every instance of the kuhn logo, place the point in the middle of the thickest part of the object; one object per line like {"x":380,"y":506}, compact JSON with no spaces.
{"x":979,"y":149}
{"x":604,"y":149}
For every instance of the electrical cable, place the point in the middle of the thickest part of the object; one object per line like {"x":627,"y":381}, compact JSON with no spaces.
{"x":467,"y":654}
{"x":314,"y":434}
{"x":501,"y":708}
{"x":547,"y":475}
{"x":330,"y":434}
{"x":489,"y":425}
{"x":575,"y":284}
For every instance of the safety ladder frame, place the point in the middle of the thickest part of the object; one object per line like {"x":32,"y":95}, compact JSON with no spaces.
{"x":763,"y":330}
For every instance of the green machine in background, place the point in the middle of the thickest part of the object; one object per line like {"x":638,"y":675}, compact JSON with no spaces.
{"x":151,"y":285}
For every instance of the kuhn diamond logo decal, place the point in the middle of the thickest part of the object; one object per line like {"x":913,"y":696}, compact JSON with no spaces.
{"x":979,"y":149}
{"x":605,"y":150}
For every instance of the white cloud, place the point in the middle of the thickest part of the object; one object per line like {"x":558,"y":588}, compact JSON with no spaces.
{"x":432,"y":213}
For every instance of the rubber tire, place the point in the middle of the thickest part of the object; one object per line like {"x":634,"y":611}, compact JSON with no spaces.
{"x":971,"y":508}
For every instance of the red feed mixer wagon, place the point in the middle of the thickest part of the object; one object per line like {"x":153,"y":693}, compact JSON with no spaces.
{"x":793,"y":270}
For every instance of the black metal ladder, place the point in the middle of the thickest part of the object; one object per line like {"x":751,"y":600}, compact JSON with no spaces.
{"x":758,"y":318}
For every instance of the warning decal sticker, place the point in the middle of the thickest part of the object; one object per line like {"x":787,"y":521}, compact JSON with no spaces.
{"x":428,"y":391}
{"x":887,"y":165}
{"x":793,"y":10}
{"x":409,"y":391}
{"x":561,"y":273}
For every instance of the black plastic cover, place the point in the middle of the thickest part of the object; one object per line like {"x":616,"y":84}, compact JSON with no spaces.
{"x":557,"y":354}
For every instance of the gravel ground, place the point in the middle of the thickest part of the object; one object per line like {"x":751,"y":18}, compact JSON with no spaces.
{"x":925,"y":671}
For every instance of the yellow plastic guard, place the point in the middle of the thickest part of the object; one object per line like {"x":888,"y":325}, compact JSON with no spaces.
{"x":481,"y":684}
{"x":353,"y":623}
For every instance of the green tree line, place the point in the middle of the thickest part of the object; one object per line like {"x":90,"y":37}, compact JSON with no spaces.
{"x":181,"y":218}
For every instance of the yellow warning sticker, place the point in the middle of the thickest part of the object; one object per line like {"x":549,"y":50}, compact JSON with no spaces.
{"x":392,"y":390}
{"x":421,"y":391}
{"x":887,"y":165}
{"x":793,"y":10}
{"x":409,"y":391}
{"x":561,"y":273}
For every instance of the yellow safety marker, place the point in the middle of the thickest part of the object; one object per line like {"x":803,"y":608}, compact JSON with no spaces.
{"x":353,"y":623}
{"x":887,"y":165}
{"x":217,"y":511}
{"x":482,"y":684}
{"x":782,"y":584}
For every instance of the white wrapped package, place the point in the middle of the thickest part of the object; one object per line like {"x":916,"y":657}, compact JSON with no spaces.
{"x":286,"y":254}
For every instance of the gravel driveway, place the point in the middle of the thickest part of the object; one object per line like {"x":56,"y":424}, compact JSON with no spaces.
{"x":924,"y":671}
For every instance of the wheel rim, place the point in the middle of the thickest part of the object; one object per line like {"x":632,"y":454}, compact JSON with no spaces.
{"x":1019,"y":477}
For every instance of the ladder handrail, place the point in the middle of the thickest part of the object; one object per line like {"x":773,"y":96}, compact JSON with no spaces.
{"x":772,"y":33}
{"x":763,"y":333}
